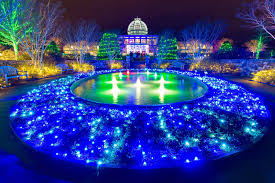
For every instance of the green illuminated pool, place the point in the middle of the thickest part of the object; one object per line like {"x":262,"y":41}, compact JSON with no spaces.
{"x":139,"y":88}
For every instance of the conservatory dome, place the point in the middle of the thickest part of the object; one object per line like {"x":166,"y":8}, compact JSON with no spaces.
{"x":137,"y":27}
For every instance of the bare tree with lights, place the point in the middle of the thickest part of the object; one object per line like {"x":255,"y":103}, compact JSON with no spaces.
{"x":260,"y":14}
{"x":7,"y":12}
{"x":81,"y":38}
{"x":11,"y":24}
{"x":255,"y":47}
{"x":198,"y":40}
{"x":43,"y":19}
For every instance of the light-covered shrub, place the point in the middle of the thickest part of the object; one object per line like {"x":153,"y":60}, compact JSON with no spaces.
{"x":34,"y":71}
{"x":265,"y":76}
{"x":214,"y":67}
{"x":84,"y":67}
{"x":116,"y":65}
{"x":7,"y":55}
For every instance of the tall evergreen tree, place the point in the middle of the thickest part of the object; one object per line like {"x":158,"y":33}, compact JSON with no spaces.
{"x":52,"y":48}
{"x":225,"y":51}
{"x":109,"y":47}
{"x":226,"y":47}
{"x":167,"y":48}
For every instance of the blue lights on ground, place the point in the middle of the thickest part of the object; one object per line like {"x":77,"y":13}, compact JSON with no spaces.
{"x":226,"y":120}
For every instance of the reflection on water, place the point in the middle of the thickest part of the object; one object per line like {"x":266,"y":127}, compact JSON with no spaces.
{"x":138,"y":91}
{"x":142,"y":88}
{"x":161,"y":90}
{"x":115,"y":89}
{"x":138,"y":96}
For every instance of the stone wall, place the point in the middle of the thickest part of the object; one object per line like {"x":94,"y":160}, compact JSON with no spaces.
{"x":246,"y":66}
{"x":249,"y":66}
{"x":11,"y":62}
{"x":103,"y":64}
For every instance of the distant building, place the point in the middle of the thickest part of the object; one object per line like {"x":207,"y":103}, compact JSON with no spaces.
{"x":70,"y":49}
{"x":138,"y":40}
{"x":193,"y":47}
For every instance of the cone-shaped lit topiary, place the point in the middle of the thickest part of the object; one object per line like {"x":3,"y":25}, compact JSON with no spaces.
{"x":226,"y":47}
{"x":109,"y":47}
{"x":167,"y":49}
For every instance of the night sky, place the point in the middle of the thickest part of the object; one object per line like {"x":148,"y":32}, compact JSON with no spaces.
{"x":159,"y":14}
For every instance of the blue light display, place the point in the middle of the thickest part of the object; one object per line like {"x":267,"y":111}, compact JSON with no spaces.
{"x":226,"y":120}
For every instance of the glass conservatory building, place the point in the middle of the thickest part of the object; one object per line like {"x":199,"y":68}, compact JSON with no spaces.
{"x":138,"y":40}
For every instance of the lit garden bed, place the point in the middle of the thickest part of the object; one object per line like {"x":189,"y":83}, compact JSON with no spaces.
{"x":226,"y":120}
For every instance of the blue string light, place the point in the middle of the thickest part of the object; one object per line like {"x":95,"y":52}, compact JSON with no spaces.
{"x":53,"y":120}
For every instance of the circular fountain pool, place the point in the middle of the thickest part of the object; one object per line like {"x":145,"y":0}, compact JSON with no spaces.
{"x":226,"y":120}
{"x":139,"y":88}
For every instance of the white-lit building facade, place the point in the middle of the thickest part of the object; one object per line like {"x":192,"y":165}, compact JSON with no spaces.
{"x":138,"y":40}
